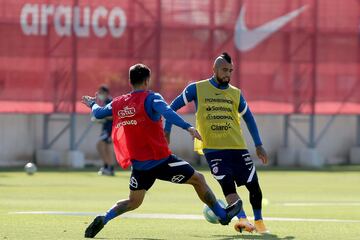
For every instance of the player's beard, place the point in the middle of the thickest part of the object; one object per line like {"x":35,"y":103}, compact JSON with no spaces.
{"x":223,"y":82}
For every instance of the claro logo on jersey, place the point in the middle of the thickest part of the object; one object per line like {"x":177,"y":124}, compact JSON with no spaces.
{"x":127,"y":112}
{"x":220,"y":127}
{"x":68,"y":20}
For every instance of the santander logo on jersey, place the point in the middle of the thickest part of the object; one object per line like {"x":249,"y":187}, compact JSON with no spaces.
{"x":68,"y":20}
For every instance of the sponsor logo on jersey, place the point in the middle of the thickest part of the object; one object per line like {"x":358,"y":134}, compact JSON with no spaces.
{"x":127,"y":112}
{"x":218,"y":117}
{"x":220,"y":108}
{"x":220,"y":127}
{"x":126,"y":122}
{"x":218,"y":100}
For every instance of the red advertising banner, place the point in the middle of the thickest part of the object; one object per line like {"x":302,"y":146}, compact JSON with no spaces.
{"x":289,"y":56}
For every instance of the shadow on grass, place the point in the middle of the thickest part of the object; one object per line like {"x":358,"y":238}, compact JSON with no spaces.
{"x":132,"y":238}
{"x":149,"y":238}
{"x":264,"y":236}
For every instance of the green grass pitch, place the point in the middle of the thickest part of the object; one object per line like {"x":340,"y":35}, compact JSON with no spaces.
{"x":303,"y":197}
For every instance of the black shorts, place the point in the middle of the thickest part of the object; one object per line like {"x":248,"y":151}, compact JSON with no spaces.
{"x":172,"y":170}
{"x":229,"y":166}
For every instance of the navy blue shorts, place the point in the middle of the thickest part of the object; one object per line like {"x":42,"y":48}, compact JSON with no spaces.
{"x":173,"y":170}
{"x":231,"y":166}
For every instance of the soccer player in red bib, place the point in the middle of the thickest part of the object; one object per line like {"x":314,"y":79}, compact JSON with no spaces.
{"x":139,"y":141}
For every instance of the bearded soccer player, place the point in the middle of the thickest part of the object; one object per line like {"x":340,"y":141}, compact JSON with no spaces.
{"x":218,"y":107}
{"x":139,"y":140}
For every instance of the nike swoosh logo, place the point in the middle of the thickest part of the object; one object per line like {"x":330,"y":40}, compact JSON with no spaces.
{"x":246,"y":39}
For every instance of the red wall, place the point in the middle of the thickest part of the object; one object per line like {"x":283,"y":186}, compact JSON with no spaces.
{"x":293,"y":57}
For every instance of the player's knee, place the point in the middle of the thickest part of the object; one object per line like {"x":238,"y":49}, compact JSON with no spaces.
{"x":228,"y":187}
{"x":232,"y":197}
{"x":134,"y":203}
{"x":201,"y":177}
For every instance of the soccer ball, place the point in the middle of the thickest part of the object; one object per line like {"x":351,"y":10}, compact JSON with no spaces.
{"x":30,"y":168}
{"x":210,"y":215}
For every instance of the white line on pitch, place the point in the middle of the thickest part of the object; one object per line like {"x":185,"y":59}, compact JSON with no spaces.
{"x":181,"y":216}
{"x":310,"y":204}
{"x":57,"y":213}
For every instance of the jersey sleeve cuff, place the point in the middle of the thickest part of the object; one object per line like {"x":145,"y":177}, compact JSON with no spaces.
{"x":187,"y":126}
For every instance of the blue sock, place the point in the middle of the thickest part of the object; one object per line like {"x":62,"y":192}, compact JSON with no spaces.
{"x":241,"y":214}
{"x":218,"y":210}
{"x":110,"y":215}
{"x":257,"y":214}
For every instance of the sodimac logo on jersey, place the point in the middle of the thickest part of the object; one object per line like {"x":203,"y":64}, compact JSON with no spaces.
{"x":67,"y":20}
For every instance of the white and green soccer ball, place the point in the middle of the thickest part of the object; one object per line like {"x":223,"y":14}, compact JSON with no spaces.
{"x":209,"y":215}
{"x":30,"y":168}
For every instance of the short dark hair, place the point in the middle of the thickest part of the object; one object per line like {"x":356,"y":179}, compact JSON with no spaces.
{"x":138,"y":74}
{"x":104,"y":88}
{"x":226,"y":56}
